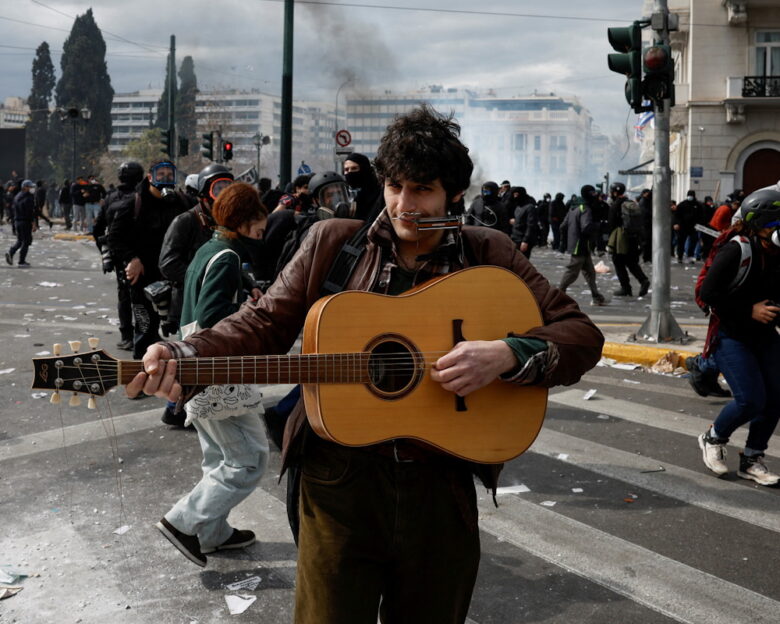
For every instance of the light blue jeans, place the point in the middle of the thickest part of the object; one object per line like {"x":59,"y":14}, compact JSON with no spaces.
{"x":235,"y":454}
{"x":92,"y":211}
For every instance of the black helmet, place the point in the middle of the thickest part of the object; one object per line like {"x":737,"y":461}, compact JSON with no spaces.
{"x":329,"y":190}
{"x":617,"y":187}
{"x":761,"y":209}
{"x":208,"y":175}
{"x":130,"y":173}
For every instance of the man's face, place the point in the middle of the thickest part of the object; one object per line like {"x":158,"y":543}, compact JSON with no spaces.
{"x":302,"y":190}
{"x":504,"y":188}
{"x":254,"y":229}
{"x":408,"y":200}
{"x":351,"y":166}
{"x":163,"y":175}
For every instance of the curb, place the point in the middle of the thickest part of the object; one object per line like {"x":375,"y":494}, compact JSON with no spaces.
{"x":646,"y":356}
{"x":70,"y":237}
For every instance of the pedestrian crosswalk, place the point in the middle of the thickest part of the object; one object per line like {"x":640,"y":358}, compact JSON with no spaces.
{"x":617,"y":520}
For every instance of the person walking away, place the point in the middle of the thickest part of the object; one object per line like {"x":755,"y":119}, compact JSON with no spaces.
{"x":625,"y":240}
{"x":40,"y":203}
{"x":393,"y":527}
{"x":64,"y":199}
{"x":78,"y":196}
{"x":227,"y":418}
{"x":558,"y":213}
{"x":684,"y":220}
{"x":524,"y":221}
{"x":742,"y":287}
{"x":94,"y":195}
{"x":23,"y":211}
{"x":580,"y":231}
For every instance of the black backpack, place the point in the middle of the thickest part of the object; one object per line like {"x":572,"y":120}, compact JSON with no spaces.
{"x":631,"y":216}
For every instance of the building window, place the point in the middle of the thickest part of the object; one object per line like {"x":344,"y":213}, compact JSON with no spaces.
{"x":768,"y":53}
{"x":557,"y":142}
{"x":520,"y":142}
{"x":537,"y":142}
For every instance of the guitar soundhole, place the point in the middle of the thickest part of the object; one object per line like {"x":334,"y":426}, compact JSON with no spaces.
{"x":394,"y":367}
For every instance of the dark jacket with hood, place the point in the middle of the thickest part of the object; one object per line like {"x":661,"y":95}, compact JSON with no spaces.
{"x":525,"y":229}
{"x":368,"y":189}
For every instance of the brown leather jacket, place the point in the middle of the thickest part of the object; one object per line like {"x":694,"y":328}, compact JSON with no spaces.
{"x":272,"y":325}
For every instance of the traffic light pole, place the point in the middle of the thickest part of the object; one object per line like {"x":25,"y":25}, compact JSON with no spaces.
{"x":171,"y":99}
{"x":660,"y":325}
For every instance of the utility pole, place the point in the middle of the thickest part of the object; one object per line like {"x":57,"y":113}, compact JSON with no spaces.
{"x":660,"y":325}
{"x":172,"y":98}
{"x":285,"y":146}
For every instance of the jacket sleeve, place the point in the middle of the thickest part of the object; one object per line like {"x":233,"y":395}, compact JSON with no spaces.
{"x":176,"y":248}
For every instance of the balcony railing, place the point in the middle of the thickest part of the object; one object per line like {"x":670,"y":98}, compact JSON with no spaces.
{"x":761,"y":86}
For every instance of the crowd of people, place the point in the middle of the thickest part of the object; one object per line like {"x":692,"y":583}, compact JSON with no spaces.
{"x":223,"y":268}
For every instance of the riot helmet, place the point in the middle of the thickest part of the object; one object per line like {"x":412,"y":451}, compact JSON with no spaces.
{"x":618,"y":188}
{"x":191,"y":184}
{"x":212,"y":180}
{"x":130,"y":173}
{"x":331,"y":195}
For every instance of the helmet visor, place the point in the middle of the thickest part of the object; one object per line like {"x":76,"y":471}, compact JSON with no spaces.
{"x":219,"y":185}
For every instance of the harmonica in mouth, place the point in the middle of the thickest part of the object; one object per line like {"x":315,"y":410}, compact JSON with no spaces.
{"x":448,"y":222}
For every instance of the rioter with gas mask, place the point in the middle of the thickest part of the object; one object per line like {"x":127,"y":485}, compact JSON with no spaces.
{"x":186,"y":234}
{"x":136,"y":238}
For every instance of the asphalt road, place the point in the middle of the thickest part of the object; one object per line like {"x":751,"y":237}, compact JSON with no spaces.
{"x":612,"y":516}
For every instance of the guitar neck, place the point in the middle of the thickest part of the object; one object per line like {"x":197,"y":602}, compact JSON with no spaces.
{"x":341,"y":368}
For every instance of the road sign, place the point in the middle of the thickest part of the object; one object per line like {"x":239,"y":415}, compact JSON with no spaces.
{"x":343,"y":138}
{"x":304,"y":169}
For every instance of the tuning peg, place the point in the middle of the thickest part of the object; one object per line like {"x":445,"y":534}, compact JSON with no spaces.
{"x":91,"y":403}
{"x":93,"y":342}
{"x":75,"y":345}
{"x":56,"y":348}
{"x":55,"y":397}
{"x":75,"y":400}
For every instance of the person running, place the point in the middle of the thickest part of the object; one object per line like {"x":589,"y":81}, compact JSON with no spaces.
{"x":743,"y":335}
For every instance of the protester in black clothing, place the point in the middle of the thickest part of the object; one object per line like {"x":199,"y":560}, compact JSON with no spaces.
{"x":362,"y":182}
{"x":543,"y":212}
{"x":66,"y":203}
{"x":525,"y":219}
{"x":40,"y":202}
{"x":684,"y":220}
{"x":23,"y":211}
{"x":79,"y":199}
{"x":558,"y":213}
{"x":645,"y":202}
{"x":488,"y":210}
{"x":136,"y":236}
{"x":624,"y":246}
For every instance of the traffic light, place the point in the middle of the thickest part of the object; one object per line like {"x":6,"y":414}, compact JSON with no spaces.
{"x":227,"y":150}
{"x":184,"y":146}
{"x":628,"y":42}
{"x":658,"y":65}
{"x":207,"y":146}
{"x":166,"y":142}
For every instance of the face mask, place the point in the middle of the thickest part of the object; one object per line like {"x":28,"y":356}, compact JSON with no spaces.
{"x":163,"y":175}
{"x":354,"y":179}
{"x":691,"y":198}
{"x":251,"y":244}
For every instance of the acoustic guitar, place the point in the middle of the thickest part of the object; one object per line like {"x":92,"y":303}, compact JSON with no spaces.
{"x":364,"y":367}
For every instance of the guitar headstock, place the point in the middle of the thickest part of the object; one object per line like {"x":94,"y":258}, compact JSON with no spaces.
{"x":92,"y":372}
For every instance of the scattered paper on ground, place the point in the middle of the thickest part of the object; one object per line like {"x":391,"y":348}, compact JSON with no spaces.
{"x":667,"y":363}
{"x":513,"y":489}
{"x":626,"y":366}
{"x":602,"y":267}
{"x":548,"y":503}
{"x":123,"y":529}
{"x":250,"y":583}
{"x":7,"y":592}
{"x":577,"y":490}
{"x":239,"y":603}
{"x":589,"y":394}
{"x":49,"y":284}
{"x":5,"y":371}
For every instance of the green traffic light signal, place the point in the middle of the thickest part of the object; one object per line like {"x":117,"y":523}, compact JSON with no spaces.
{"x":627,"y":41}
{"x":207,"y":145}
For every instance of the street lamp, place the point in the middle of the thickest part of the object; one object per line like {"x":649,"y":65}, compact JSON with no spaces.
{"x":259,"y":140}
{"x":73,"y":114}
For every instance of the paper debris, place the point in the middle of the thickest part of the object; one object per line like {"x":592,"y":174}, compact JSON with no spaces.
{"x":38,"y":395}
{"x":667,"y":363}
{"x":589,"y":394}
{"x":7,"y":592}
{"x":513,"y":489}
{"x":21,"y":335}
{"x":602,"y":267}
{"x":631,"y":381}
{"x":602,"y":417}
{"x":563,"y":456}
{"x":250,"y":583}
{"x":239,"y":603}
{"x":122,"y":530}
{"x":43,"y":353}
{"x":548,"y":503}
{"x":5,"y":371}
{"x":10,"y":575}
{"x":49,"y":284}
{"x":577,"y":490}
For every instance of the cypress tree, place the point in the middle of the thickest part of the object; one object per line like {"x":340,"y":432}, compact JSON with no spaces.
{"x":39,"y":139}
{"x":185,"y":103}
{"x":162,"y":104}
{"x":84,"y":82}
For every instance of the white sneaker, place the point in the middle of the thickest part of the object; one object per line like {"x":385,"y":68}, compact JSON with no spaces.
{"x":754,"y":468}
{"x":713,"y":454}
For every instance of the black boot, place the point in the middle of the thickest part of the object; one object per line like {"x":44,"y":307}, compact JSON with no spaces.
{"x":622,"y":292}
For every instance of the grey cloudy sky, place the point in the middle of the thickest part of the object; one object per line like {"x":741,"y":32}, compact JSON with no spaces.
{"x":238,"y":43}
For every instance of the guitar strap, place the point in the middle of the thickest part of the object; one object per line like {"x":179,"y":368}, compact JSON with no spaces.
{"x":344,"y":264}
